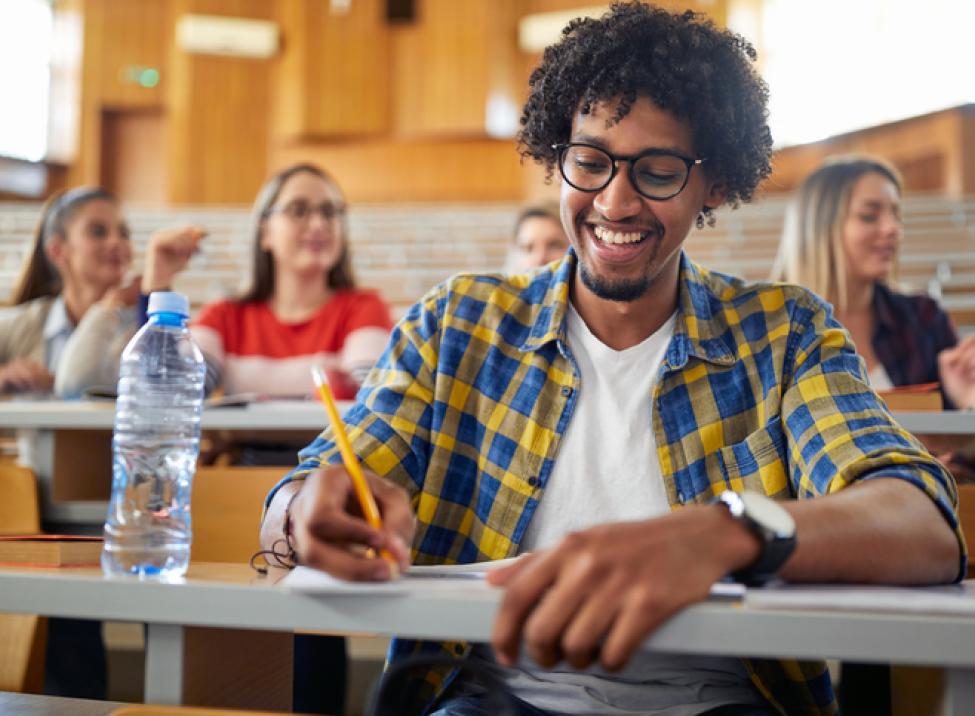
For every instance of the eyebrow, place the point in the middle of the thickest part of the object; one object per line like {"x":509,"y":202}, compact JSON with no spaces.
{"x":877,"y":204}
{"x":596,"y":141}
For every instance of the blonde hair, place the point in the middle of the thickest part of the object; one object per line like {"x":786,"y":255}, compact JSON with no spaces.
{"x":811,"y":249}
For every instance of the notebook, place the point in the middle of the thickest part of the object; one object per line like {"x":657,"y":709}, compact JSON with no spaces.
{"x":50,"y":551}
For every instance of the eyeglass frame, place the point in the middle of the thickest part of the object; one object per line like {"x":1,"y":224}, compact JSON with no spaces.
{"x":631,"y":160}
{"x":338,"y":210}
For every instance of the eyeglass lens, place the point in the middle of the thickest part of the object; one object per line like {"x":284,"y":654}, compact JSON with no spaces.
{"x":654,"y":175}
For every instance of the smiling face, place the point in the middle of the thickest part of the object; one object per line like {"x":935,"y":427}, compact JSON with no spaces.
{"x":872,"y":229}
{"x":95,"y":251}
{"x":297,"y":233}
{"x":628,"y":245}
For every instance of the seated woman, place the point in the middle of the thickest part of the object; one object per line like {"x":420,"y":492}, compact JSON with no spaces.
{"x":539,"y":237}
{"x":72,"y":317}
{"x":302,"y":309}
{"x":841,"y":239}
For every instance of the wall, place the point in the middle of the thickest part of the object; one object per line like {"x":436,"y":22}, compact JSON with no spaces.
{"x":935,"y":152}
{"x":398,"y":111}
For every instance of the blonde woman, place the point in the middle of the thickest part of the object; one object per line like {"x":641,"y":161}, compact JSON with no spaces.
{"x":841,"y":239}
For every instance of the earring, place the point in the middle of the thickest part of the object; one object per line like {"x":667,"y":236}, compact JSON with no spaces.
{"x":700,"y":220}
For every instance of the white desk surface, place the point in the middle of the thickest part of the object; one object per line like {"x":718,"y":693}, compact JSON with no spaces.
{"x":233,"y":596}
{"x":310,"y":415}
{"x":100,"y":415}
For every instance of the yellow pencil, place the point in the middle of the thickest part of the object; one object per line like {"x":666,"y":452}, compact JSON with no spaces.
{"x":351,"y":462}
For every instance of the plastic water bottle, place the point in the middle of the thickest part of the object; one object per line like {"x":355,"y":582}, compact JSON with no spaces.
{"x":155,"y":446}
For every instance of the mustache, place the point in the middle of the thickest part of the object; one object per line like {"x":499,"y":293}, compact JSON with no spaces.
{"x":651,"y":224}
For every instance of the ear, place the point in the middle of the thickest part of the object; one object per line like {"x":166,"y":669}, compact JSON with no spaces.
{"x":716,"y":195}
{"x":54,"y":249}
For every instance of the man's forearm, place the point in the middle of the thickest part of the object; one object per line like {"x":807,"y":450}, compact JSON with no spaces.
{"x":877,"y":531}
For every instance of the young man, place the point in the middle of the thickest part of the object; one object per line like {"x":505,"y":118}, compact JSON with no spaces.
{"x":591,"y":414}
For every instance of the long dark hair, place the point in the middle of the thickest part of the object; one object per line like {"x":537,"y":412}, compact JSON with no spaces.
{"x":38,"y":276}
{"x":262,"y":276}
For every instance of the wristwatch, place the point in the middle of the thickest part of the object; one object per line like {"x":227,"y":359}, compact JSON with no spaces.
{"x":773,"y":526}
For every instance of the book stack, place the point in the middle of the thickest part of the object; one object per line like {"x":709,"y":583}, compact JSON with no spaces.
{"x":50,"y":551}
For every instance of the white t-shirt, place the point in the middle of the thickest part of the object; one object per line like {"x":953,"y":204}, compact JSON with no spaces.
{"x":607,"y":468}
{"x":607,"y":471}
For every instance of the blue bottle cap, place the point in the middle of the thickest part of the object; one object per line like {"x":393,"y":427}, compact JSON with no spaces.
{"x":168,"y":302}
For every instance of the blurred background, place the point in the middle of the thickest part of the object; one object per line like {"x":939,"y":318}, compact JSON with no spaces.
{"x":183,"y":107}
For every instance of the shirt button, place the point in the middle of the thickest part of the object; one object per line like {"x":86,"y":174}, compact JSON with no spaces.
{"x":533,"y":480}
{"x":566,"y":391}
{"x":680,"y":497}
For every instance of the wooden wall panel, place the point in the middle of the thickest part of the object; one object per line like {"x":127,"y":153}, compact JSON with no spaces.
{"x":932,"y":151}
{"x":333,"y":75}
{"x":445,"y":65}
{"x":418,"y":170}
{"x":117,"y":35}
{"x":218,"y":116}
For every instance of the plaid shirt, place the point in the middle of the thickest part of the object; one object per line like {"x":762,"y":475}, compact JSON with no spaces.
{"x":759,"y":390}
{"x":909,"y":333}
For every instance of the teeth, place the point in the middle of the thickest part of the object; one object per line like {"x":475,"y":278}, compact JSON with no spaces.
{"x":618,"y":237}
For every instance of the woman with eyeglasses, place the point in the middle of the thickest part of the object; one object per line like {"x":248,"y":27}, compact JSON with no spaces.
{"x":71,"y":314}
{"x":302,"y":308}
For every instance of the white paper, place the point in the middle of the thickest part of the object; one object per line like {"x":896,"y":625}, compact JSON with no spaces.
{"x":942,"y":599}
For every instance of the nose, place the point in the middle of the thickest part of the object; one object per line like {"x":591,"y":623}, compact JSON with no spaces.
{"x":619,"y":199}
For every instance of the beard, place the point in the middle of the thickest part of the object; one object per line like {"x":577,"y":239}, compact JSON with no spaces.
{"x":622,"y":290}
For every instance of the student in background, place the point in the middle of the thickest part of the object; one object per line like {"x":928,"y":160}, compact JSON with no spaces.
{"x":302,"y":309}
{"x":539,"y":237}
{"x":72,"y":315}
{"x":71,"y":318}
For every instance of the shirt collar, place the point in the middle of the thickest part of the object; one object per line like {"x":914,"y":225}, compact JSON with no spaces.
{"x":884,"y":312}
{"x":58,"y":321}
{"x":701,"y":328}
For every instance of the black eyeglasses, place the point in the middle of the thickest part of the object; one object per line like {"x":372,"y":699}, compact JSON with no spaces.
{"x":656,"y":173}
{"x":301,"y":210}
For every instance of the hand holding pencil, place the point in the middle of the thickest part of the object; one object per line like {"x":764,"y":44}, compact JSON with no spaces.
{"x":344,"y":516}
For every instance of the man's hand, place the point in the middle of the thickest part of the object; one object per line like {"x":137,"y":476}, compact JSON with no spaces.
{"x":22,"y":375}
{"x":167,"y":254}
{"x":330,"y":533}
{"x":957,"y":368}
{"x":600,"y":593}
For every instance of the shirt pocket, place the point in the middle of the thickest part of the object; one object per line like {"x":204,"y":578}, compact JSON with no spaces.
{"x":758,"y":462}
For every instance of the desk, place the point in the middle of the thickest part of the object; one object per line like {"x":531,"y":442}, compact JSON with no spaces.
{"x":70,"y":420}
{"x":50,"y":417}
{"x":231,"y":596}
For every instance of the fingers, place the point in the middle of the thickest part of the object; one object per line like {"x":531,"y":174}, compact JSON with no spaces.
{"x":168,"y":252}
{"x":24,"y":375}
{"x":330,"y":533}
{"x":523,"y":592}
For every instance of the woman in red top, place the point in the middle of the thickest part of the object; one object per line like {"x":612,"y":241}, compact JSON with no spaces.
{"x":303,"y":307}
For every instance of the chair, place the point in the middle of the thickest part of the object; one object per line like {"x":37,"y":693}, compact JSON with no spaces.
{"x":227,"y":504}
{"x":219,"y":668}
{"x":23,"y":637}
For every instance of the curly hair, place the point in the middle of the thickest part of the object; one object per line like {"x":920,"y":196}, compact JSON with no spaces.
{"x":682,"y":62}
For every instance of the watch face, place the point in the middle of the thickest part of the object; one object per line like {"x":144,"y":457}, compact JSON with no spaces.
{"x":768,"y":513}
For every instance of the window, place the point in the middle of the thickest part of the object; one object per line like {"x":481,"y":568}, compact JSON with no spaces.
{"x":834,"y":66}
{"x":26,"y":29}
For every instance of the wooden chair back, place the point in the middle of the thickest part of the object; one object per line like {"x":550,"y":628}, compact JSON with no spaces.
{"x":23,"y":637}
{"x":227,"y":503}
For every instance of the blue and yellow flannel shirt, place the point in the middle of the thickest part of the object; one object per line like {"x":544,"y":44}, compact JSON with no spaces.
{"x":760,"y":389}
